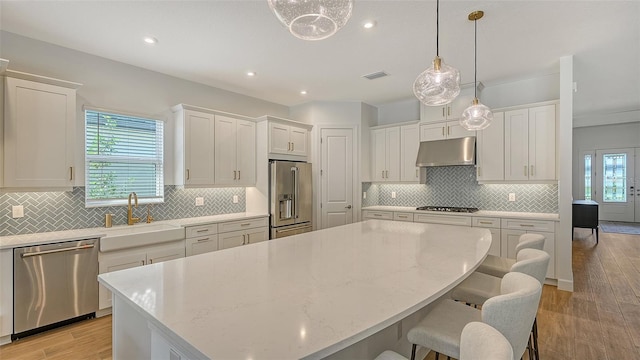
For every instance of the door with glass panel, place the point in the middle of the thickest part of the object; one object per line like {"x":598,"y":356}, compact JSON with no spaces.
{"x":615,"y":184}
{"x":636,"y":186}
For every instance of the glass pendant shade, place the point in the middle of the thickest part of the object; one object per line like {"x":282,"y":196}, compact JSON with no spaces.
{"x":438,"y":85}
{"x":312,"y":19}
{"x":476,"y":117}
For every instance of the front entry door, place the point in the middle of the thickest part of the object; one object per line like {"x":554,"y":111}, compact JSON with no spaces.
{"x":337,"y":177}
{"x":615,"y":184}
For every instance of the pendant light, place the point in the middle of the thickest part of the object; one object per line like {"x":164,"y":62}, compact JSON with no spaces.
{"x":477,"y":116}
{"x":439,"y":84}
{"x":312,"y":19}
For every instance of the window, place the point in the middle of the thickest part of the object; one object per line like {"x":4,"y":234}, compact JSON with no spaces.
{"x":587,"y":177}
{"x":123,"y":154}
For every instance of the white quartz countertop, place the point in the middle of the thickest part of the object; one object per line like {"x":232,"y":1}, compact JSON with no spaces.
{"x":303,"y":296}
{"x":12,"y":241}
{"x":483,"y":213}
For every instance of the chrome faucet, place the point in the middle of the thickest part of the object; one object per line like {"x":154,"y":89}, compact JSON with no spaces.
{"x":130,"y":219}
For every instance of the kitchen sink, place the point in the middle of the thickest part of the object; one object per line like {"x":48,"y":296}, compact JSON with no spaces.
{"x":139,"y":235}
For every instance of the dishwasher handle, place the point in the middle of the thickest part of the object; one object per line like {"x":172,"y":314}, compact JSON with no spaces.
{"x":83,"y":247}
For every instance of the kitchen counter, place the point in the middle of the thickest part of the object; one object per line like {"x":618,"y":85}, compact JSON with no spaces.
{"x":483,"y":213}
{"x":12,"y":241}
{"x":303,"y":296}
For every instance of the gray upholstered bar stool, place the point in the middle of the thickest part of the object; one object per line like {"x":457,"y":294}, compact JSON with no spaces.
{"x":479,"y":287}
{"x":511,"y":313}
{"x":498,"y":266}
{"x":478,"y":341}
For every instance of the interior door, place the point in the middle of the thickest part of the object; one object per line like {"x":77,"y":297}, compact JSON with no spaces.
{"x":337,"y":177}
{"x":636,"y":186}
{"x":614,"y":184}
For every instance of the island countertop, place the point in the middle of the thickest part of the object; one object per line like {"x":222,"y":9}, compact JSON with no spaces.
{"x":303,"y":296}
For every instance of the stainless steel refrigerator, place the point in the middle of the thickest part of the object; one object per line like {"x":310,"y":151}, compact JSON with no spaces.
{"x":290,"y":197}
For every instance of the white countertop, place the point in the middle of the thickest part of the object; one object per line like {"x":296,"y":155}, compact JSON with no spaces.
{"x":303,"y":296}
{"x":12,"y":241}
{"x":483,"y":213}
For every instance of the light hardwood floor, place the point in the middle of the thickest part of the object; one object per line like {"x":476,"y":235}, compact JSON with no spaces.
{"x":600,"y":320}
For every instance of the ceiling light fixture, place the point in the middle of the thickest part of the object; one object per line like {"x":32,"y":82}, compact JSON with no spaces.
{"x":477,"y":116}
{"x":369,"y":24}
{"x":150,"y":40}
{"x":303,"y":92}
{"x":312,"y":19}
{"x":251,"y":73}
{"x":439,"y":84}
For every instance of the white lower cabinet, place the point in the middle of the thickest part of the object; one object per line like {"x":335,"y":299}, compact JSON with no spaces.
{"x":130,"y":258}
{"x":6,"y":295}
{"x":374,"y":214}
{"x":513,"y":228}
{"x":443,"y":219}
{"x":242,"y":237}
{"x":201,"y":239}
{"x":162,"y":348}
{"x":493,"y":225}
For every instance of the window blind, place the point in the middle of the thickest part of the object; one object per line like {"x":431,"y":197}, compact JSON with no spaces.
{"x":123,"y":154}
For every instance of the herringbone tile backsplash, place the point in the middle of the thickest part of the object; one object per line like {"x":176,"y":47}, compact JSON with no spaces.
{"x":53,"y":211}
{"x":457,"y":186}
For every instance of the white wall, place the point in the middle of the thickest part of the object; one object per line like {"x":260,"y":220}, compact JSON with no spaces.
{"x":523,"y":91}
{"x":399,"y":111}
{"x":117,"y":86}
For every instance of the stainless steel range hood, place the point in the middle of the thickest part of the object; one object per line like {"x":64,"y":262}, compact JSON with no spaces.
{"x":461,"y":151}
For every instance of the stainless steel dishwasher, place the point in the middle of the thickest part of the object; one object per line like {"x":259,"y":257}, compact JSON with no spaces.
{"x":54,"y":283}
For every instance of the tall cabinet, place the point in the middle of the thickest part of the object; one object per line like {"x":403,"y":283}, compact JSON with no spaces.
{"x":42,"y":111}
{"x":385,"y":145}
{"x":235,"y":148}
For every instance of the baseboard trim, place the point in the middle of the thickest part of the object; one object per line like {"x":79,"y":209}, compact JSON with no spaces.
{"x":103,"y":312}
{"x":565,"y":285}
{"x":5,"y":340}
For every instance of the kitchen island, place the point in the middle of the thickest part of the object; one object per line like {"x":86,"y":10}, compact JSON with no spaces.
{"x":304,"y":296}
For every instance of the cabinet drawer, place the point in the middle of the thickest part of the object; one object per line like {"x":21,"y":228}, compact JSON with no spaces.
{"x":201,"y":230}
{"x":384,"y":215}
{"x":400,"y":216}
{"x":528,"y":225}
{"x":486,"y":222}
{"x":201,"y":245}
{"x":242,"y":225}
{"x":443,"y":219}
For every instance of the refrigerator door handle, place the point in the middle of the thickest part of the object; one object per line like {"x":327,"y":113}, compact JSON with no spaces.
{"x":296,"y":191}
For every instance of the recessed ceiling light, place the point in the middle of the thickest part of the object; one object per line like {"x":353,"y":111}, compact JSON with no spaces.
{"x":251,"y":73}
{"x":369,"y":24}
{"x":150,"y":40}
{"x":303,"y":92}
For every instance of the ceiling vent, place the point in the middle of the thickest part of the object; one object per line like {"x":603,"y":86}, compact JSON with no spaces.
{"x":375,"y":75}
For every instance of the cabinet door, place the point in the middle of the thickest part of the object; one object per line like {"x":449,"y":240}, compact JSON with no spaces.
{"x":231,"y":239}
{"x":393,"y":154}
{"x":510,"y":240}
{"x":257,"y":235}
{"x":490,"y":146}
{"x":199,"y":148}
{"x":201,"y":245}
{"x":433,"y":132}
{"x":494,"y":249}
{"x":6,"y":292}
{"x":298,"y":138}
{"x":455,"y":130}
{"x":226,"y":172}
{"x":165,"y":253}
{"x":409,"y":142}
{"x":115,"y":262}
{"x":379,"y":152}
{"x":279,"y":138}
{"x":39,"y":114}
{"x":432,"y":113}
{"x":513,"y":236}
{"x":246,"y":152}
{"x":516,"y":145}
{"x":542,"y":143}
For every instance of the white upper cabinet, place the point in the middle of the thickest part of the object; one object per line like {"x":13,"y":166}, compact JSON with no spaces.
{"x":443,"y":130}
{"x":288,"y":138}
{"x":194,"y":155}
{"x":409,"y":145}
{"x":530,"y":144}
{"x":235,"y":151}
{"x":39,"y":133}
{"x":385,"y":144}
{"x":450,"y":111}
{"x":490,"y":150}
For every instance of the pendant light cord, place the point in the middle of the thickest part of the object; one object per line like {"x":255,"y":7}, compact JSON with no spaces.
{"x":475,"y":58}
{"x":437,"y":28}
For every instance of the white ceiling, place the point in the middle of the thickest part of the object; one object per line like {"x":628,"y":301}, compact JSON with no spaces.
{"x":217,"y":42}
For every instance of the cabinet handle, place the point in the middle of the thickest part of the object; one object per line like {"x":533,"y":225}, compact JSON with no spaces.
{"x":402,"y":216}
{"x":70,"y":172}
{"x":150,"y":261}
{"x":248,"y":239}
{"x":484,"y":222}
{"x":443,"y":130}
{"x":202,"y":230}
{"x":234,"y":175}
{"x":245,"y":224}
{"x":143,"y":262}
{"x":377,"y":215}
{"x":448,"y":130}
{"x":205,"y":239}
{"x":244,"y":239}
{"x":383,"y":174}
{"x":526,"y":225}
{"x":188,"y":174}
{"x":416,"y":172}
{"x":386,"y":173}
{"x":478,"y":172}
{"x":443,"y":111}
{"x":525,"y":170}
{"x":238,"y":174}
{"x":531,"y":172}
{"x":289,"y":146}
{"x":293,"y":146}
{"x":448,"y":110}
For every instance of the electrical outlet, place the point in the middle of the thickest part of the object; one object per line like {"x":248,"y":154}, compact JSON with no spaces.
{"x":17,"y":211}
{"x":364,"y":195}
{"x":199,"y":201}
{"x":235,"y":199}
{"x":512,"y":197}
{"x":393,"y":194}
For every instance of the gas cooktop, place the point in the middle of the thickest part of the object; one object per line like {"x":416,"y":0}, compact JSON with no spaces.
{"x":448,"y":209}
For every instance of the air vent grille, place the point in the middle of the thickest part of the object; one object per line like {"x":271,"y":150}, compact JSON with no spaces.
{"x":375,"y":75}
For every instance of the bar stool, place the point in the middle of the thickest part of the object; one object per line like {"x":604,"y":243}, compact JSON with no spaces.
{"x":479,"y":287}
{"x":511,"y":313}
{"x":478,"y":341}
{"x":498,"y":266}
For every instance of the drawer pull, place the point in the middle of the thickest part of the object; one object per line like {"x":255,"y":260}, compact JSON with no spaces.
{"x":526,"y":225}
{"x":246,"y":224}
{"x":377,"y":215}
{"x":485,"y":222}
{"x":202,"y":230}
{"x":402,"y":216}
{"x":205,"y":239}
